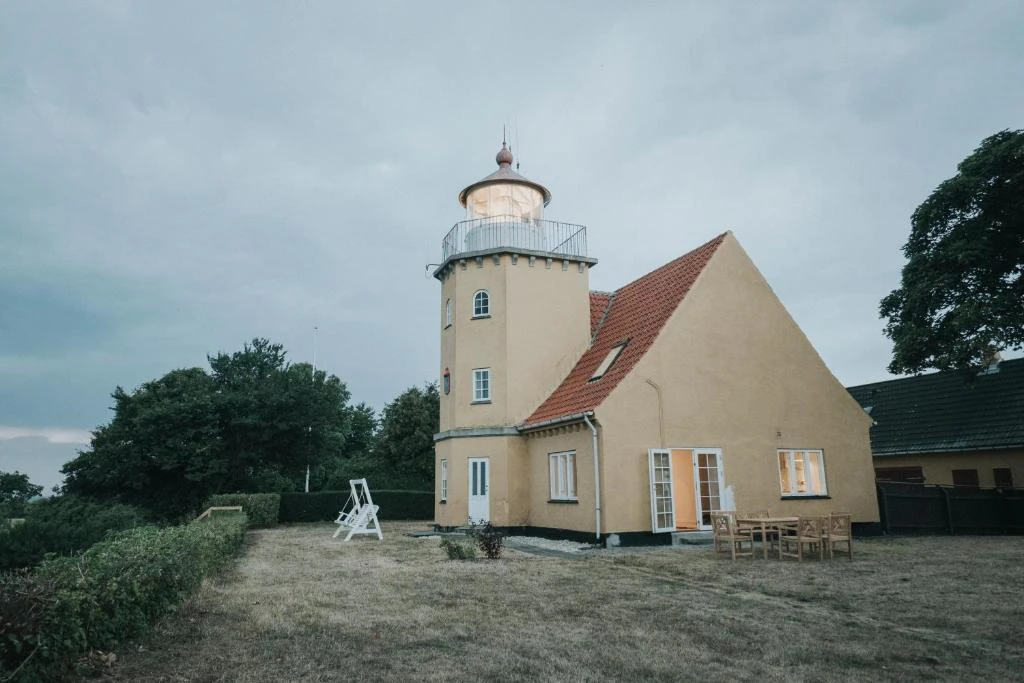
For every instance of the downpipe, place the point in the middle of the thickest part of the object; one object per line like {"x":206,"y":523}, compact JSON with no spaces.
{"x":597,"y":479}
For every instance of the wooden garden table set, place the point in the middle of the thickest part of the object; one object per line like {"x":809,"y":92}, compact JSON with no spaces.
{"x":816,"y":533}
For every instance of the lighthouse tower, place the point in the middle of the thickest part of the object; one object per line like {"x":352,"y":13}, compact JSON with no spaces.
{"x":515,"y":318}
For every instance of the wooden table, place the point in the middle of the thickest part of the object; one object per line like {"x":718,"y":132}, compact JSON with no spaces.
{"x":767,"y":523}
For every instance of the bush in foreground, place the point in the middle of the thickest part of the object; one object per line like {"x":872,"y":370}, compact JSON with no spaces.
{"x":262,"y":509}
{"x":458,"y":550}
{"x":71,"y":607}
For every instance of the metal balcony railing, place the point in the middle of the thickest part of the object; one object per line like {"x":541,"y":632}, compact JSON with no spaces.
{"x":498,"y":232}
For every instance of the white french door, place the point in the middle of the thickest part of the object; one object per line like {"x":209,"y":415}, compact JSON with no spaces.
{"x":479,"y":485}
{"x":663,"y":513}
{"x":707,"y":480}
{"x":701,"y":486}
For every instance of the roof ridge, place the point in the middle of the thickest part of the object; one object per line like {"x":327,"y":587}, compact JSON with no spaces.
{"x":927,"y":375}
{"x":672,"y":262}
{"x":604,"y":316}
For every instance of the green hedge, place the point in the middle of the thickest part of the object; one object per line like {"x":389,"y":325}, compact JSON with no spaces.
{"x":70,"y":607}
{"x":63,"y":525}
{"x":321,"y":506}
{"x":260,"y":508}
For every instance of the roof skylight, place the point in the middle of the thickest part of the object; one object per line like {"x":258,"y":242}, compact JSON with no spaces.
{"x":607,"y":362}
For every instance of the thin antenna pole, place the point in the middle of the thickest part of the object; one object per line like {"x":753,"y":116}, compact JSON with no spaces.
{"x":309,"y":429}
{"x":315,"y":328}
{"x":519,"y":147}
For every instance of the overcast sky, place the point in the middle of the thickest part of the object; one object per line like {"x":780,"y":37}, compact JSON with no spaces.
{"x":177,"y":178}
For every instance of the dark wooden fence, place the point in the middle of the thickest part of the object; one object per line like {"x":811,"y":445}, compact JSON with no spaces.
{"x":926,"y":509}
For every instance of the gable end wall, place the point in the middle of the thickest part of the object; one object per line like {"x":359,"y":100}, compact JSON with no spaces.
{"x":735,"y":373}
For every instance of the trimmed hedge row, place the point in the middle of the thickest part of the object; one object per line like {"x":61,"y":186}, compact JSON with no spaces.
{"x":70,"y":609}
{"x":322,"y":506}
{"x":260,"y":508}
{"x":63,"y":526}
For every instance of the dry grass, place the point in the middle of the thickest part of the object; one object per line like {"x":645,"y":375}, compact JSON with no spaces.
{"x":302,"y":606}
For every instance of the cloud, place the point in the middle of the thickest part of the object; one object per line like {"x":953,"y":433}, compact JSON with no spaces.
{"x":61,"y":435}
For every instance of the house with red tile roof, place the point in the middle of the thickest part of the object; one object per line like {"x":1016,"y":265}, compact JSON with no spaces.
{"x":628,"y":415}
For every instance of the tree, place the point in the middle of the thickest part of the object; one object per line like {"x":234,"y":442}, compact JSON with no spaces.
{"x":355,"y":461}
{"x":961,"y":295}
{"x":252,"y":423}
{"x":15,"y":491}
{"x":405,"y":441}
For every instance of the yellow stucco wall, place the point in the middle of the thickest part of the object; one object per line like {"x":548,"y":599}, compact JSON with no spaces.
{"x":578,"y":516}
{"x":938,"y":467}
{"x":735,"y":373}
{"x":508,"y":479}
{"x":538,"y":327}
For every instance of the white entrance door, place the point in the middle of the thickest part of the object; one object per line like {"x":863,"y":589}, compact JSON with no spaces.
{"x":707,"y":480}
{"x":663,"y":514}
{"x":479,"y":485}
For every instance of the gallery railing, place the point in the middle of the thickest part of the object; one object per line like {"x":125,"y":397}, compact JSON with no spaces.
{"x":482,"y":234}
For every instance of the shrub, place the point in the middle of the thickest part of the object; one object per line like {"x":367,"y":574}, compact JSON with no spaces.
{"x":63,"y":525}
{"x":323,"y":506}
{"x":72,"y":606}
{"x":490,"y":540}
{"x":458,"y":550}
{"x":262,"y":509}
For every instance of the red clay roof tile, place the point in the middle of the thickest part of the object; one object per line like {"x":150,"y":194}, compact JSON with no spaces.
{"x":598,"y":305}
{"x":635,"y":313}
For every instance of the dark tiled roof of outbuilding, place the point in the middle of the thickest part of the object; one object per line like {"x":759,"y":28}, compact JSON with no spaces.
{"x":941,"y":412}
{"x":598,"y":305}
{"x":637,"y":313}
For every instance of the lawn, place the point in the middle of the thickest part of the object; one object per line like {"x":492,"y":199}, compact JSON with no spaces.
{"x":299,"y":605}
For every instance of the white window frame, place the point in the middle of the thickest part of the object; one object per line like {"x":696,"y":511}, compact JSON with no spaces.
{"x":448,"y":313}
{"x":562,"y":475}
{"x":801,"y":459}
{"x":481,"y":385}
{"x":483,"y":298}
{"x":444,"y":479}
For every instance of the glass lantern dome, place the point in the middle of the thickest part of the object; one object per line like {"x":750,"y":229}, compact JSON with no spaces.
{"x":504,"y":209}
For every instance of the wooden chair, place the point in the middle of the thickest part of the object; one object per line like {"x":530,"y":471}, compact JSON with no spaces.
{"x":726,"y":534}
{"x":766,"y":535}
{"x":807,"y":531}
{"x":839,"y":530}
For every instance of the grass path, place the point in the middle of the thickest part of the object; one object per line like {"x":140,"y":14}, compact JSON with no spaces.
{"x":299,"y":605}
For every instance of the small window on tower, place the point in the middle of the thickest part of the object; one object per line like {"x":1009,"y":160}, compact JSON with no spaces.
{"x":448,"y":313}
{"x":482,"y":385}
{"x":606,"y":364}
{"x":481,"y":304}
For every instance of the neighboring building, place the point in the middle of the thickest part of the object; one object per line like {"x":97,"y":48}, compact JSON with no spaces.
{"x":942,"y":429}
{"x":639,"y":411}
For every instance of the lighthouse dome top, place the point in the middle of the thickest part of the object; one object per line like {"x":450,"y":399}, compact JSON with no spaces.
{"x":504,"y":193}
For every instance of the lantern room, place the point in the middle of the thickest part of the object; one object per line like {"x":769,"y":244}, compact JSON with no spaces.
{"x":505,"y":195}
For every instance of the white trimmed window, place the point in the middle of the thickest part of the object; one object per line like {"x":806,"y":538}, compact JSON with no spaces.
{"x":448,"y":313}
{"x":562,"y":473}
{"x":444,"y":479}
{"x":481,"y":304}
{"x":802,"y":473}
{"x":481,"y":385}
{"x":608,"y":360}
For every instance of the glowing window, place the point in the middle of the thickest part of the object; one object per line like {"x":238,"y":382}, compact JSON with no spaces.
{"x":802,"y":473}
